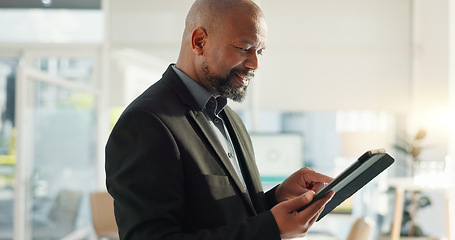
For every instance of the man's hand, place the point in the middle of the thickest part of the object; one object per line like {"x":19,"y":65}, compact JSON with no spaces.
{"x":295,"y":224}
{"x":299,"y":183}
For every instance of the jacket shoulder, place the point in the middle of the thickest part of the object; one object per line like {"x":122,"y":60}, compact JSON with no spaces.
{"x":167,"y":95}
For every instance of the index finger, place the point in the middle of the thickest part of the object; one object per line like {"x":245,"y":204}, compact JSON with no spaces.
{"x":309,"y":175}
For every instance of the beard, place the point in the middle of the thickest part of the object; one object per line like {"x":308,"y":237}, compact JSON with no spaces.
{"x":224,"y":86}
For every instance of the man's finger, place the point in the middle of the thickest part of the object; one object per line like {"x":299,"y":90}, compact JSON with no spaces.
{"x":316,"y":216}
{"x":329,"y":196}
{"x":312,"y":210}
{"x":318,"y":186}
{"x":300,"y":201}
{"x":313,"y":176}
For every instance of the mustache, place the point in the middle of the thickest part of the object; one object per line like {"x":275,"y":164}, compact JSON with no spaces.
{"x":246,"y":73}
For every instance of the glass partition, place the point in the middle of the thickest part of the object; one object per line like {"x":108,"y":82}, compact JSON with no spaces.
{"x":7,"y":144}
{"x":78,"y":69}
{"x":58,"y":122}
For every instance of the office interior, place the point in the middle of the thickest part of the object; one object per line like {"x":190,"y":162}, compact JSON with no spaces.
{"x":338,"y":77}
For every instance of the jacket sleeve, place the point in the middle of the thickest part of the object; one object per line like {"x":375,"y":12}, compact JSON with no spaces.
{"x":145,"y":176}
{"x":270,"y":198}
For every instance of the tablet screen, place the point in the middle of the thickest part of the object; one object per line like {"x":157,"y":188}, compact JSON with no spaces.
{"x":357,"y":175}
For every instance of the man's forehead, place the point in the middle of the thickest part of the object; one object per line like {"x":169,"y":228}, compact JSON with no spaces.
{"x":253,"y":33}
{"x":245,"y":21}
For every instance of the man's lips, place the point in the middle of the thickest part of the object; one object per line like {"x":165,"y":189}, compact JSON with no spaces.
{"x":242,"y":80}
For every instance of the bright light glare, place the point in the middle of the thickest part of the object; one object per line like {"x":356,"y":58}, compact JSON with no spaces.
{"x":51,"y":25}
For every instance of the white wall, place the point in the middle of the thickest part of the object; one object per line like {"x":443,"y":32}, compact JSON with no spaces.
{"x":149,"y":25}
{"x":332,"y":54}
{"x":452,"y":84}
{"x":430,"y":97}
{"x":430,"y":88}
{"x":452,"y":104}
{"x":350,"y":54}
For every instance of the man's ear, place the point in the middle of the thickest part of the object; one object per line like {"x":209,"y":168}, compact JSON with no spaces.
{"x":198,"y":40}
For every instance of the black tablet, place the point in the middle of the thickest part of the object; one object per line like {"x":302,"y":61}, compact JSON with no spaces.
{"x":362,"y":171}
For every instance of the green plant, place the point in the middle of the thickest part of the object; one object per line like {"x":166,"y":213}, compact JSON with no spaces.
{"x":416,"y":201}
{"x":412,"y":147}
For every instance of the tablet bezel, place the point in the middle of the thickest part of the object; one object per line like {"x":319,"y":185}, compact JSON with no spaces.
{"x":364,"y":163}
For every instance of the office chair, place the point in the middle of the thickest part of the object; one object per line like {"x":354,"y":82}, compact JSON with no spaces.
{"x":103,"y":215}
{"x":361,"y":229}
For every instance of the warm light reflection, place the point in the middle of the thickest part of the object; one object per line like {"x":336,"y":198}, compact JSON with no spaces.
{"x":434,"y":174}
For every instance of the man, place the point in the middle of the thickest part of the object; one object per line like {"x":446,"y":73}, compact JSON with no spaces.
{"x":180,"y":163}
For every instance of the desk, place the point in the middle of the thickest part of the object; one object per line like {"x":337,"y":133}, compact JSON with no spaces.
{"x":408,"y":184}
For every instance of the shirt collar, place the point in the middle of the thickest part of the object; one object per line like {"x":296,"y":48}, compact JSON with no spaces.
{"x":199,"y":93}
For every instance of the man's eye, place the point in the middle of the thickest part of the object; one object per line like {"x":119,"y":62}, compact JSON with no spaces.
{"x":242,"y":49}
{"x":245,"y":50}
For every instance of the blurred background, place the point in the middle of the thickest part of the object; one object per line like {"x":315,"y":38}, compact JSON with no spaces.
{"x":338,"y":77}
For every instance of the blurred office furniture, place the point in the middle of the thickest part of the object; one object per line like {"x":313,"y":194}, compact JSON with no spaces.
{"x":103,"y":215}
{"x":361,"y":229}
{"x":409,"y":184}
{"x":62,"y":216}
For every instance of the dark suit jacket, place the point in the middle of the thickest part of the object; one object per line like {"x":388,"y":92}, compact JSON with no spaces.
{"x":170,"y":177}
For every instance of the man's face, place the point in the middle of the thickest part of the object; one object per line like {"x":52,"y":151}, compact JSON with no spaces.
{"x":232,"y":54}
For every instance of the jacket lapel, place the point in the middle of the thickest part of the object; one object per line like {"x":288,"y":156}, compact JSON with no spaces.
{"x":194,"y":114}
{"x":245,"y":154}
{"x":205,"y":128}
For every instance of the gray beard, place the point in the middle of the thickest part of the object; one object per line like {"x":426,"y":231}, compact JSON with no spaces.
{"x":224,"y":87}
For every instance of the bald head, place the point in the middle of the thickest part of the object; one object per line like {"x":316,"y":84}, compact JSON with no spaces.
{"x":209,"y":14}
{"x":212,"y":16}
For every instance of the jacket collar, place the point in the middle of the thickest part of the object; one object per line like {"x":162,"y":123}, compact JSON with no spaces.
{"x":171,"y":79}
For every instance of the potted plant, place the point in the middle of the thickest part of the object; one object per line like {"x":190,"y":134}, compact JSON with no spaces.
{"x":412,"y":147}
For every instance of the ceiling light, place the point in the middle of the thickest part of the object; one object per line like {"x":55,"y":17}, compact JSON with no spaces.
{"x":47,"y":3}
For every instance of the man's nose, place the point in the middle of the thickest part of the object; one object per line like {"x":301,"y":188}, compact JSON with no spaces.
{"x":252,"y":62}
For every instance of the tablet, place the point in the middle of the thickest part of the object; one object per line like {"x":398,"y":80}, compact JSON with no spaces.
{"x":362,"y":171}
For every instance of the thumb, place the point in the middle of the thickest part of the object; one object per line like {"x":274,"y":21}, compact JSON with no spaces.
{"x":300,"y":201}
